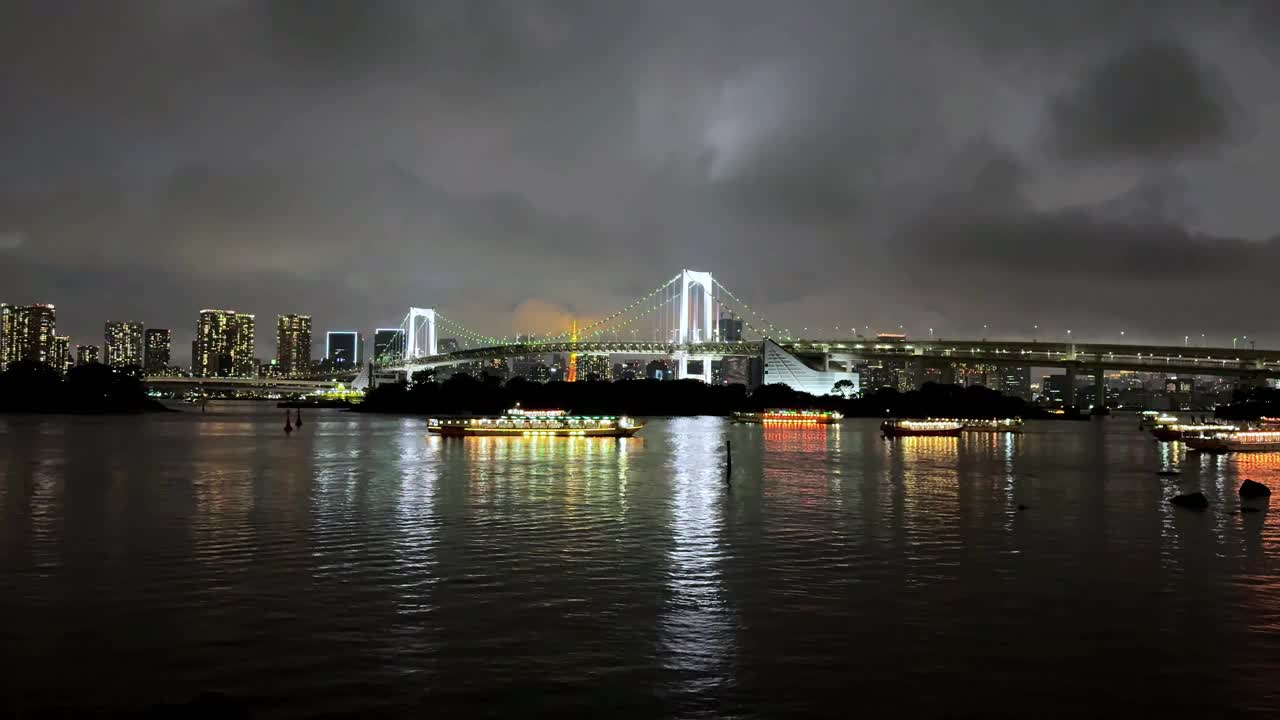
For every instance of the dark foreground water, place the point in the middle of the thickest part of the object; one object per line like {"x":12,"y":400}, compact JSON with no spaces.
{"x":359,"y":569}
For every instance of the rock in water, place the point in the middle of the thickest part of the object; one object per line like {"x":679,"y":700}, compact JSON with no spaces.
{"x":1250,"y":489}
{"x":1194,"y":501}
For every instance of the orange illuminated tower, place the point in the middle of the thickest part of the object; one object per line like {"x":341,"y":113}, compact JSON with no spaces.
{"x":573,"y":357}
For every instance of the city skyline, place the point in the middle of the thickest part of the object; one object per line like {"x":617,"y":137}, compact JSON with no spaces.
{"x":836,"y":180}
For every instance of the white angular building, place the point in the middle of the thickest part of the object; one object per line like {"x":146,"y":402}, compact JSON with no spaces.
{"x":783,"y":368}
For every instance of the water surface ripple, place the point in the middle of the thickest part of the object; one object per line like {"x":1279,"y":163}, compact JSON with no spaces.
{"x":358,"y":568}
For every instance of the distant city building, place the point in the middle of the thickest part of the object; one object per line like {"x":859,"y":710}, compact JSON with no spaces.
{"x":6,"y":331}
{"x":159,"y":350}
{"x":659,"y":370}
{"x":983,"y":374}
{"x":60,"y":353}
{"x":86,"y":354}
{"x":594,"y":367}
{"x":1054,"y":388}
{"x":123,"y":344}
{"x":293,"y":344}
{"x":741,"y":371}
{"x":538,"y":371}
{"x":388,"y":345}
{"x":342,"y":347}
{"x":26,"y":333}
{"x":447,"y":345}
{"x":730,"y":329}
{"x":877,"y":374}
{"x":1016,"y":381}
{"x":224,"y":345}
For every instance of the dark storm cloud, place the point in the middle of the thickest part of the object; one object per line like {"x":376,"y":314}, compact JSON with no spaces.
{"x":1156,"y":101}
{"x":556,"y":159}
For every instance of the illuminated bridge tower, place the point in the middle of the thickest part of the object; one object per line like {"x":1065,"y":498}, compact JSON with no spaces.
{"x":695,"y":333}
{"x":420,"y":334}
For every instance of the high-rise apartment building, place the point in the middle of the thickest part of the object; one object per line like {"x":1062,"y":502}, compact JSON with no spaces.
{"x":123,"y":344}
{"x":159,"y":350}
{"x":224,"y":345}
{"x":594,"y":367}
{"x":293,"y":344}
{"x":6,"y":331}
{"x":26,"y":333}
{"x":60,"y":354}
{"x":86,"y":354}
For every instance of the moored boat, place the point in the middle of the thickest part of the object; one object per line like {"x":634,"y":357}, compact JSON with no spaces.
{"x":1155,"y":418}
{"x":996,"y":425}
{"x":921,"y":428}
{"x":534,"y":423}
{"x":789,"y":417}
{"x":1235,"y":441}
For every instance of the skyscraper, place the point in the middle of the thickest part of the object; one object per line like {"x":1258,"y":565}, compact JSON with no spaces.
{"x":224,"y":345}
{"x":293,"y":344}
{"x":6,"y":332}
{"x":86,"y":354}
{"x":342,"y":347}
{"x":159,"y":348}
{"x":388,"y":344}
{"x":243,"y":362}
{"x":60,"y":353}
{"x":594,"y":367}
{"x":26,"y":333}
{"x":124,"y":344}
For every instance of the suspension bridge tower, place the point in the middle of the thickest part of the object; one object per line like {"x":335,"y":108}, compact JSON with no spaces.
{"x":692,"y":333}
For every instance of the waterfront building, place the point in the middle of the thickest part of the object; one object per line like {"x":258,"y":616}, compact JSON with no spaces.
{"x":293,"y":345}
{"x":159,"y":349}
{"x":123,"y":344}
{"x":26,"y":333}
{"x":783,"y":368}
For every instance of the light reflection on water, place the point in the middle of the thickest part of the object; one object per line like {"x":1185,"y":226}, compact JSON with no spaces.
{"x":362,"y":567}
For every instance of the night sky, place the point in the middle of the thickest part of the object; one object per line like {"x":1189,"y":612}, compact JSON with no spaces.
{"x":1095,"y":165}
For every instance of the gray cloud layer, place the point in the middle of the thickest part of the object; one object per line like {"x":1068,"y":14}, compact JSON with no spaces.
{"x":927,"y":163}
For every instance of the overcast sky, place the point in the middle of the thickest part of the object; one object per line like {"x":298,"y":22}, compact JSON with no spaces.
{"x":1099,"y":165}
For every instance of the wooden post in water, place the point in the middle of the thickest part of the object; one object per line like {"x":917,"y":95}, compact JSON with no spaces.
{"x":728,"y":462}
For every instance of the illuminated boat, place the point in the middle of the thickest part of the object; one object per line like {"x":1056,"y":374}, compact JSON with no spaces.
{"x":1000,"y":425}
{"x":1155,"y":418}
{"x":534,"y":423}
{"x":1235,"y":441}
{"x":925,"y":428}
{"x":789,"y":417}
{"x":1182,"y":431}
